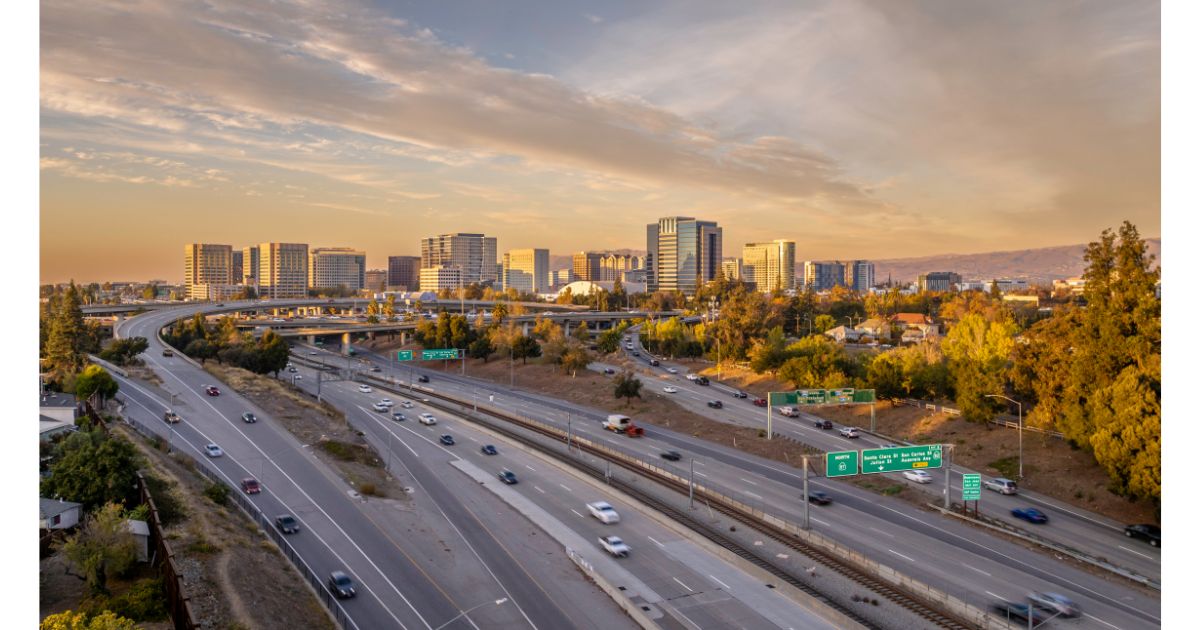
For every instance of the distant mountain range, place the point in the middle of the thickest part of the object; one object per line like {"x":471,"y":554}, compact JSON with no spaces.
{"x":1042,"y":265}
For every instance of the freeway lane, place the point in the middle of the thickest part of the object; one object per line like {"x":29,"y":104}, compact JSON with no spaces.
{"x":1001,"y":562}
{"x":1091,"y":533}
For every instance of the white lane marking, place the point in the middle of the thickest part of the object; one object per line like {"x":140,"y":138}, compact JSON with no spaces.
{"x":1136,"y":552}
{"x":395,"y":436}
{"x":1101,"y":621}
{"x":313,"y":503}
{"x":993,"y":595}
{"x":699,"y":463}
{"x":654,"y":541}
{"x":539,"y":490}
{"x":530,"y":467}
{"x":702,"y":474}
{"x":977,"y":570}
{"x":817,"y":520}
{"x":577,"y":513}
{"x":751,"y":494}
{"x":901,"y":555}
{"x":883,"y":532}
{"x":723,"y":585}
{"x":565,"y":488}
{"x":683,"y":585}
{"x":753,"y":483}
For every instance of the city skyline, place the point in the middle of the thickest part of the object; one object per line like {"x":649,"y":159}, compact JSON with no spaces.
{"x":352,"y":127}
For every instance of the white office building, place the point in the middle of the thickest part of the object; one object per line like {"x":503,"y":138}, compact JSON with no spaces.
{"x":770,"y":266}
{"x":331,"y":267}
{"x":527,"y":270}
{"x":473,"y":254}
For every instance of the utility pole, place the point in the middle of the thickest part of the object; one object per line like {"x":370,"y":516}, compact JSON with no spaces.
{"x":568,"y":431}
{"x":691,"y":482}
{"x":804,"y":466}
{"x":946,"y":450}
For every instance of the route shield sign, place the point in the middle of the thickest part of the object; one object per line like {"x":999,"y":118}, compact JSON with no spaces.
{"x":971,"y":487}
{"x":404,"y":355}
{"x":881,"y":460}
{"x":439,"y":353}
{"x":841,"y":464}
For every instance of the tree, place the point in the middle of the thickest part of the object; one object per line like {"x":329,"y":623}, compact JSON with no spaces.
{"x":499,"y":312}
{"x":769,"y":354}
{"x":65,"y":337}
{"x":389,"y":307}
{"x":273,"y":353}
{"x":122,"y":351}
{"x":95,"y":380}
{"x":978,"y":352}
{"x":105,"y":546}
{"x":481,"y":348}
{"x":627,"y":386}
{"x":200,"y":349}
{"x":581,"y":333}
{"x":68,"y":620}
{"x":994,"y":291}
{"x":1127,"y":437}
{"x":574,"y":359}
{"x":816,"y":361}
{"x":93,"y":469}
{"x":524,"y":347}
{"x":150,"y":292}
{"x":823,"y":323}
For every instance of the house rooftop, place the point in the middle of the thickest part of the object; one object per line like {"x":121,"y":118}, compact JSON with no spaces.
{"x":57,"y":399}
{"x":54,"y":507}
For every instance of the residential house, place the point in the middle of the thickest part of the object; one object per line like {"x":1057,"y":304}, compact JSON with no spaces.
{"x":842,"y":334}
{"x":59,"y":406}
{"x":876,"y":327}
{"x":59,"y":514}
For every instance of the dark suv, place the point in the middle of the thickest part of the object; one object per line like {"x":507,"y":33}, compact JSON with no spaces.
{"x":823,"y":424}
{"x":341,"y":585}
{"x":1149,"y":533}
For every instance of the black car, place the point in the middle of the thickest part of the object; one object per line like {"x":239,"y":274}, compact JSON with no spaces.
{"x":447,"y":439}
{"x":609,"y":371}
{"x":653,"y":362}
{"x":636,"y":353}
{"x":820,"y":498}
{"x":823,"y":424}
{"x":716,"y":404}
{"x":488,"y":449}
{"x":287,"y":523}
{"x":670,"y":455}
{"x":507,"y":476}
{"x":375,"y":368}
{"x":703,"y":380}
{"x":341,"y":585}
{"x":1149,"y":533}
{"x":739,"y":394}
{"x":249,"y":418}
{"x":422,"y":379}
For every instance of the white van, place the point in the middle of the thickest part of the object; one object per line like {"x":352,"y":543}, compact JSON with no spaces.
{"x":617,"y":422}
{"x":604,"y":512}
{"x":790,"y":412}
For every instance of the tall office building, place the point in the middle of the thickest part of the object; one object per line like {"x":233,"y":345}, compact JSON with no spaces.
{"x":586,"y":266}
{"x":237,"y":272}
{"x":333,"y":267}
{"x":206,"y":264}
{"x":770,"y":266}
{"x":249,"y":265}
{"x":938,"y":281}
{"x":613,"y":265}
{"x":473,"y":254}
{"x":823,"y":276}
{"x":732,"y":268}
{"x":441,"y":277}
{"x":376,"y":280}
{"x":527,"y":270}
{"x":860,"y":275}
{"x":682,"y":254}
{"x":282,"y":270}
{"x":404,"y":273}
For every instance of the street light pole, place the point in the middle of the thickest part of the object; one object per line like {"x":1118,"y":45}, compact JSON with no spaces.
{"x":1020,"y":433}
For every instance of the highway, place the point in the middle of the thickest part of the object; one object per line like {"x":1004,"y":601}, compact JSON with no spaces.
{"x":951,"y":556}
{"x":401,"y":582}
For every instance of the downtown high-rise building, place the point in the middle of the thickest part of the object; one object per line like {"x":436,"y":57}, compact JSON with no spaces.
{"x":282,"y":270}
{"x":249,"y":265}
{"x":604,"y":266}
{"x":823,"y":276}
{"x":683,"y":253}
{"x":237,"y":271}
{"x":770,"y":266}
{"x":333,"y":267}
{"x":860,"y":275}
{"x":526,"y":270}
{"x":938,"y":281}
{"x":207,"y":270}
{"x":376,"y":280}
{"x":434,"y":279}
{"x":732,"y":268}
{"x":404,"y":273}
{"x":473,"y":254}
{"x":586,"y":266}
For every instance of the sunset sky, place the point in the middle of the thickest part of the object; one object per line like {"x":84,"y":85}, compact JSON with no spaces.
{"x":859,"y":129}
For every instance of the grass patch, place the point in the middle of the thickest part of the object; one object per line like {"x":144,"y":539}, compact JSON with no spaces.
{"x":348,"y":452}
{"x":202,"y":546}
{"x":892,"y":490}
{"x":1007,"y":466}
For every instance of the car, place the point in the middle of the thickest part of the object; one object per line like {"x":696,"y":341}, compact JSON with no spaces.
{"x":407,"y":404}
{"x":615,"y":546}
{"x":312,"y":353}
{"x":366,"y":389}
{"x":703,"y":380}
{"x":609,"y":371}
{"x":691,"y":377}
{"x":1001,"y":485}
{"x":171,"y":417}
{"x":380,"y":407}
{"x":213,"y":450}
{"x":447,"y":439}
{"x":819,"y":497}
{"x":341,"y":585}
{"x":636,"y":353}
{"x":654,"y":362}
{"x":422,"y":379}
{"x":674,"y":371}
{"x":249,"y":418}
{"x":670,"y":455}
{"x":716,"y":404}
{"x":386,"y":401}
{"x":212,"y":390}
{"x":1149,"y":533}
{"x":919,"y":476}
{"x":298,"y":377}
{"x":287,"y":523}
{"x":487,"y":449}
{"x":375,"y":368}
{"x":671,"y":389}
{"x":823,"y":424}
{"x":849,"y":433}
{"x":604,"y":512}
{"x":399,"y":417}
{"x":250,"y":486}
{"x":507,"y":476}
{"x":1018,"y":611}
{"x":760,"y":402}
{"x":739,"y":394}
{"x":167,"y":352}
{"x":1033,"y":515}
{"x":427,"y":419}
{"x":1055,"y":603}
{"x":292,"y":369}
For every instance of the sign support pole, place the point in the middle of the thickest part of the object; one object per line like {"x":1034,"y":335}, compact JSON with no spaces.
{"x":768,"y":415}
{"x":872,"y":417}
{"x":947,"y":448}
{"x":691,"y":483}
{"x":806,"y":501}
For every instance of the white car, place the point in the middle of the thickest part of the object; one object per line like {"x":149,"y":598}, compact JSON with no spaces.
{"x":849,"y":432}
{"x":604,"y":512}
{"x":366,"y":389}
{"x":427,"y":419}
{"x":615,"y":546}
{"x":692,"y":377}
{"x":919,"y":476}
{"x":387,"y":401}
{"x":670,"y":389}
{"x":407,"y":404}
{"x":673,"y":370}
{"x":213,"y":450}
{"x":380,"y":407}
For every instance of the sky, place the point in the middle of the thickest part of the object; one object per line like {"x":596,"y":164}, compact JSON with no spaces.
{"x":857,"y":129}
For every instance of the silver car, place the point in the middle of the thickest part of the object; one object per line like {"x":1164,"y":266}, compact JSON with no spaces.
{"x":1001,"y":485}
{"x":1055,"y":603}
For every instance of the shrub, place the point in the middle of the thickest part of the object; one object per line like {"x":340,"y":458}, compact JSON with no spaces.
{"x":1007,"y":466}
{"x":891,"y":490}
{"x":368,"y":489}
{"x":170,"y":508}
{"x":144,"y":601}
{"x":218,"y":493}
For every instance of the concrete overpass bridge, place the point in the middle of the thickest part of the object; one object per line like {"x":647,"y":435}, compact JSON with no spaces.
{"x":318,"y":306}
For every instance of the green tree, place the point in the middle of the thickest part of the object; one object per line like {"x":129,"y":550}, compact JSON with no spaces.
{"x":200,"y":349}
{"x":627,"y":386}
{"x":978,"y":352}
{"x":93,"y":469}
{"x":581,"y":333}
{"x":69,"y":620}
{"x":524,"y":347}
{"x":65,"y":337}
{"x":816,"y":361}
{"x":1127,"y":438}
{"x":95,"y":380}
{"x":123,"y":351}
{"x":574,"y":359}
{"x":499,"y":312}
{"x":104,"y":547}
{"x":273,"y":353}
{"x":822,"y":323}
{"x":389,"y":307}
{"x":481,"y":348}
{"x":150,"y":292}
{"x":769,"y":354}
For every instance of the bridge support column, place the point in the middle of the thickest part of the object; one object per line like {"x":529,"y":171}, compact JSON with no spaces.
{"x":525,"y":328}
{"x":120,"y":318}
{"x":346,"y":344}
{"x":312,"y":340}
{"x":403,"y":338}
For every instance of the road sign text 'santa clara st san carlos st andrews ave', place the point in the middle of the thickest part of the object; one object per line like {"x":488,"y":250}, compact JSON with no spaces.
{"x":881,"y":460}
{"x":439,"y":353}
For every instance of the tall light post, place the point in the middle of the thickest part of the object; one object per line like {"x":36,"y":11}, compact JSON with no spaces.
{"x":1020,"y":433}
{"x":464,"y":612}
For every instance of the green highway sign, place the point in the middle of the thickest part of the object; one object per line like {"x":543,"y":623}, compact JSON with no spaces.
{"x":841,"y":464}
{"x":404,"y":355}
{"x":439,"y":353}
{"x":781,"y":398}
{"x":971,"y":487}
{"x":881,"y":460}
{"x":864,"y":396}
{"x":810,"y":396}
